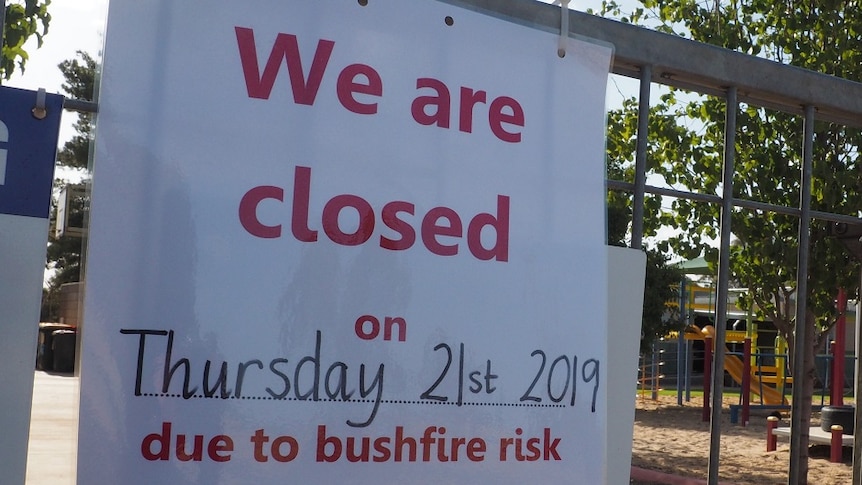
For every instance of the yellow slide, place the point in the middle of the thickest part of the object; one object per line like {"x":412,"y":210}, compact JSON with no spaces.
{"x":733,"y":365}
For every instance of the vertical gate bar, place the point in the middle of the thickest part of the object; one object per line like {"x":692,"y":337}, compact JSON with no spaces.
{"x":797,"y":407}
{"x":640,"y":158}
{"x":656,"y":370}
{"x":723,"y":275}
{"x":680,"y":342}
{"x":857,"y":386}
{"x":2,"y":28}
{"x":689,"y":367}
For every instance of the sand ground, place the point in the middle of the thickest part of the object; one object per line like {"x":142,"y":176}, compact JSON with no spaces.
{"x":673,"y":439}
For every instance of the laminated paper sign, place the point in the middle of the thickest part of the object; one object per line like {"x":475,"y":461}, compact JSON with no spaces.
{"x":344,"y":242}
{"x":28,"y":148}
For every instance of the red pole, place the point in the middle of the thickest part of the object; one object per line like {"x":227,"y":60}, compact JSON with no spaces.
{"x":771,"y":439}
{"x":838,"y":352}
{"x":834,"y":394}
{"x":746,"y":379}
{"x":836,"y":445}
{"x":707,"y":376}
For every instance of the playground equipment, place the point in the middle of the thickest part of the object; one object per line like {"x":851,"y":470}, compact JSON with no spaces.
{"x":650,"y":376}
{"x":755,"y":378}
{"x":658,"y":367}
{"x":834,"y":436}
{"x":760,"y":370}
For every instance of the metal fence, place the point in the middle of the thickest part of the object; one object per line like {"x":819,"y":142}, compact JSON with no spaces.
{"x":657,"y":58}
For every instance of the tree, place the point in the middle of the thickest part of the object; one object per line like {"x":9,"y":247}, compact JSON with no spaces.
{"x":64,"y":253}
{"x":686,"y":145}
{"x":22,"y":21}
{"x":660,"y":315}
{"x":80,"y":84}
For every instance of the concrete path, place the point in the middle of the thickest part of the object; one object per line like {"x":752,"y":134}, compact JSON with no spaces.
{"x":52,"y":452}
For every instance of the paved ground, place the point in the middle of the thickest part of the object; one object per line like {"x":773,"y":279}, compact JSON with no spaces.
{"x":53,"y":428}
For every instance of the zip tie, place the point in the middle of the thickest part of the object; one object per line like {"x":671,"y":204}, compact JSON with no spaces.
{"x":564,"y":26}
{"x":39,"y":111}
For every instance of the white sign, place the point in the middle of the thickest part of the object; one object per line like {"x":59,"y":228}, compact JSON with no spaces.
{"x":336,"y":243}
{"x":27,"y":154}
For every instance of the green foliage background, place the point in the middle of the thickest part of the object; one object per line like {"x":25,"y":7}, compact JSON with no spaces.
{"x":64,"y":253}
{"x":22,"y":21}
{"x":686,"y":143}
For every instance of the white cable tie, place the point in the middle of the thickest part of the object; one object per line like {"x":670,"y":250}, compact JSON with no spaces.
{"x":564,"y":26}
{"x":39,"y":111}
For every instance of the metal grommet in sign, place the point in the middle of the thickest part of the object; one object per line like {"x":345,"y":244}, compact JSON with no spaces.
{"x":39,"y":111}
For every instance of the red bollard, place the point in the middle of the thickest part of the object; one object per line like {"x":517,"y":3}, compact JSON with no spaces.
{"x":836,"y":449}
{"x":707,"y":377}
{"x":771,"y":439}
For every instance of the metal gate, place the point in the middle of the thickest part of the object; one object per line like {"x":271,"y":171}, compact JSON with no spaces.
{"x":658,"y":58}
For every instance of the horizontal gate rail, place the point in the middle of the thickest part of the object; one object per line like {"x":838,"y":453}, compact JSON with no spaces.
{"x":686,"y":64}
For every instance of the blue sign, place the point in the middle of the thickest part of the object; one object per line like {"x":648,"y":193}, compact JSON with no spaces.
{"x":28,"y":148}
